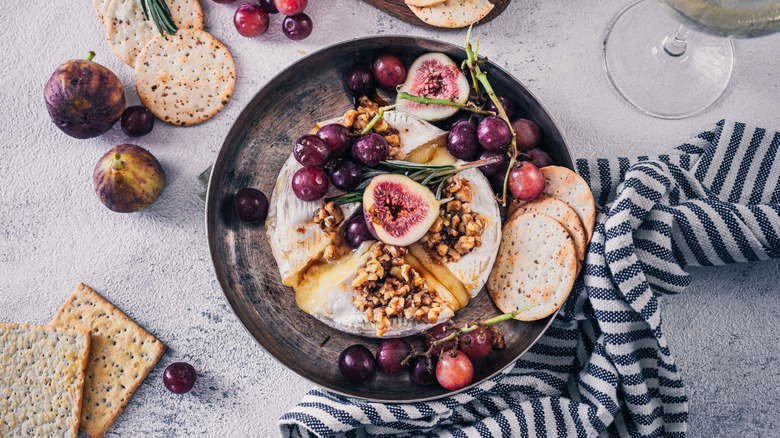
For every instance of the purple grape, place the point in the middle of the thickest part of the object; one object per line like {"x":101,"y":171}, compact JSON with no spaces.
{"x":179,"y":377}
{"x":540,"y":158}
{"x":493,"y":133}
{"x":509,"y":109}
{"x":311,"y":151}
{"x":269,"y":6}
{"x":492,"y":169}
{"x":462,"y":140}
{"x":251,"y":205}
{"x":137,"y":120}
{"x":346,"y":175}
{"x":476,"y":344}
{"x":370,"y":149}
{"x":390,"y":355}
{"x":359,"y":80}
{"x":310,"y":184}
{"x":527,"y":134}
{"x":356,"y":231}
{"x":420,"y":372}
{"x":389,"y":71}
{"x":335,"y":135}
{"x":297,"y":27}
{"x":357,"y":364}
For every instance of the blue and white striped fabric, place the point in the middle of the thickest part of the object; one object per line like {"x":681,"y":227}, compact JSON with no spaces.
{"x":604,"y":367}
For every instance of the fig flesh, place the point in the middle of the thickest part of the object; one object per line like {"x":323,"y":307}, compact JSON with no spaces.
{"x":398,"y":210}
{"x":128,"y":178}
{"x":434,"y":75}
{"x":84,"y":98}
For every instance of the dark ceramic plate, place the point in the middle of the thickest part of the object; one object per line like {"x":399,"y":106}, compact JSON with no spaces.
{"x":252,"y":155}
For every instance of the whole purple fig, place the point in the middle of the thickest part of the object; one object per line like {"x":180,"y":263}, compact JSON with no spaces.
{"x":84,"y":98}
{"x":128,"y":178}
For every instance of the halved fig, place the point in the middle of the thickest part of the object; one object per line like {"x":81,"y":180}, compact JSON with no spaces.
{"x":434,"y":75}
{"x":398,"y":210}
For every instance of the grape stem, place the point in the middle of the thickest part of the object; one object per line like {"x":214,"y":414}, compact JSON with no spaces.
{"x":468,"y":106}
{"x":90,"y":55}
{"x":479,"y":77}
{"x":376,"y":119}
{"x":465,"y":329}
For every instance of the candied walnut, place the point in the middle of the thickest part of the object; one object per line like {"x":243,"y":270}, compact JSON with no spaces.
{"x":368,"y":104}
{"x":329,"y":216}
{"x":349,"y":118}
{"x":387,"y":287}
{"x":457,"y":230}
{"x":330,"y":252}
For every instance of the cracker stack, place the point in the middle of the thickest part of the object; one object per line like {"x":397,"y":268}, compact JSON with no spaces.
{"x":42,"y":374}
{"x":543,"y":246}
{"x":185,"y":78}
{"x":121,"y":356}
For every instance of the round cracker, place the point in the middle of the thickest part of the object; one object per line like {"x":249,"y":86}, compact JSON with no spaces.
{"x":128,"y":31}
{"x":424,"y":3}
{"x":453,"y":14}
{"x":561,"y":212}
{"x":536,"y":264}
{"x":564,"y":184}
{"x":185,"y":79}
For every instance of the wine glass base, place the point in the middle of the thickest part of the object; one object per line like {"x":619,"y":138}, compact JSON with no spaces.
{"x":655,"y":82}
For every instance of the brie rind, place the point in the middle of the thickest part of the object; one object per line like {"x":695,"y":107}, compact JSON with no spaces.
{"x":294,"y":237}
{"x":297,"y":243}
{"x":473,"y":269}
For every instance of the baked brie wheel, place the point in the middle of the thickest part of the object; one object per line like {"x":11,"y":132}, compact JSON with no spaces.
{"x":381,"y":290}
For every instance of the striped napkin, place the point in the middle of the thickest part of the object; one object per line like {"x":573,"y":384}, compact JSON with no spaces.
{"x":604,"y":366}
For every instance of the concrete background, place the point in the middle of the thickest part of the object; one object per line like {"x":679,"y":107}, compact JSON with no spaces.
{"x":154,"y":265}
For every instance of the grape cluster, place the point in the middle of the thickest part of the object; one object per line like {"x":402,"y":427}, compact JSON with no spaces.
{"x":448,"y":362}
{"x":387,"y":71}
{"x":490,"y":138}
{"x":252,"y":19}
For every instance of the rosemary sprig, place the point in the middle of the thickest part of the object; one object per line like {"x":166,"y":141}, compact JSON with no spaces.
{"x":432,"y":176}
{"x":157,"y":12}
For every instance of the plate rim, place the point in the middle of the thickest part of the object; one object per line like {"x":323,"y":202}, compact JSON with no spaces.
{"x":213,"y":210}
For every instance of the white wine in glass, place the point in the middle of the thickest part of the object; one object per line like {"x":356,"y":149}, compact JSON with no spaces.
{"x":667,"y":70}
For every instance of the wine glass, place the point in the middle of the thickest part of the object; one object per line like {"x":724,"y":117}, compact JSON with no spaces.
{"x":670,"y":71}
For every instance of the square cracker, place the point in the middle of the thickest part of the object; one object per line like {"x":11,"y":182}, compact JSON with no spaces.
{"x":121,"y":356}
{"x":42,"y":372}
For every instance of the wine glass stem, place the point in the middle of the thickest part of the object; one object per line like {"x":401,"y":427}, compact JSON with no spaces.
{"x":676,"y":44}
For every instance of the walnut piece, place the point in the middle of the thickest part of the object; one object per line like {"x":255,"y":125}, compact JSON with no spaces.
{"x":329,"y":216}
{"x":387,"y":287}
{"x":457,"y":230}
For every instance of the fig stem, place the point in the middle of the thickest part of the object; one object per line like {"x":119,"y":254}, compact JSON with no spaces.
{"x":466,"y":329}
{"x":117,"y":164}
{"x":90,"y":55}
{"x":468,"y":106}
{"x":376,"y":119}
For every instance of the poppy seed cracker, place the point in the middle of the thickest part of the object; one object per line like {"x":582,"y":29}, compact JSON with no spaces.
{"x":185,"y":79}
{"x":121,"y":356}
{"x":42,"y":375}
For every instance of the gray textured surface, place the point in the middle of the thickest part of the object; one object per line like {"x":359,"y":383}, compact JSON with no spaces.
{"x":155,"y":265}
